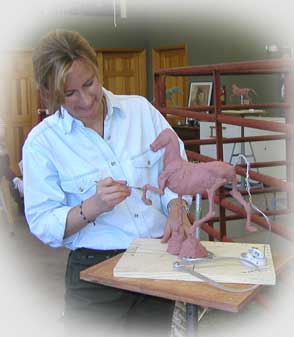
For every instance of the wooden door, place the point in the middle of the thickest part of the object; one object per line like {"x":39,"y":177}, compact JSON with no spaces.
{"x":123,"y":71}
{"x":18,"y":108}
{"x":176,"y":87}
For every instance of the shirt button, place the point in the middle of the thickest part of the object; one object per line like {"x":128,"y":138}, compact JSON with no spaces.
{"x":109,"y":137}
{"x":81,"y":189}
{"x":113,"y":163}
{"x":148,"y":162}
{"x":136,"y":215}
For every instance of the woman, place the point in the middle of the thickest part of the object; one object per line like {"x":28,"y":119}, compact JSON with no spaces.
{"x":82,"y":169}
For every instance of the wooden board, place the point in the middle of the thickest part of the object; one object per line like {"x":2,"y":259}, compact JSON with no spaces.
{"x":199,"y":293}
{"x":188,"y":292}
{"x":147,"y":258}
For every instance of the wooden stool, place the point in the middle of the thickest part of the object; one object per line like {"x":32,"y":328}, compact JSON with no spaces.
{"x":6,"y":200}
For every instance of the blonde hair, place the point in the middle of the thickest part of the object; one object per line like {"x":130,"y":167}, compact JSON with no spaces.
{"x":52,"y":59}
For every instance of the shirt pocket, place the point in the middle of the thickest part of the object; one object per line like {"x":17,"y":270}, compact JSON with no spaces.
{"x":81,"y":187}
{"x":144,"y":168}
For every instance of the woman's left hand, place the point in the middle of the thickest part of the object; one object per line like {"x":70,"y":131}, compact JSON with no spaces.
{"x":175,"y":221}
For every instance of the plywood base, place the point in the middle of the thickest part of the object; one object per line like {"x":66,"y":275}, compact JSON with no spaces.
{"x":147,"y":258}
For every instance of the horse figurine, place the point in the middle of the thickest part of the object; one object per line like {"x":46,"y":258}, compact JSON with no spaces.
{"x":236,"y":91}
{"x":187,"y":178}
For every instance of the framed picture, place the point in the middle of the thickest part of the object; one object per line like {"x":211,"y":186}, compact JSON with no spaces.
{"x":200,"y":93}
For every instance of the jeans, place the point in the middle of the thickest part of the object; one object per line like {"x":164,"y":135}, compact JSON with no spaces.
{"x":92,"y":308}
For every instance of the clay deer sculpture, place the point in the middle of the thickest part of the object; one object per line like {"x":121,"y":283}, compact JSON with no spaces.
{"x":187,"y":178}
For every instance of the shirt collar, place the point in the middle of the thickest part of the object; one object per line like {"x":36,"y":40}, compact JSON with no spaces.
{"x":67,"y":120}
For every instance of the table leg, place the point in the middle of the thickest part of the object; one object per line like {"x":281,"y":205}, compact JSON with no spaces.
{"x":242,"y":160}
{"x":191,"y":320}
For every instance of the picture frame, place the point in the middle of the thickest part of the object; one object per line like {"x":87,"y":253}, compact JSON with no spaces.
{"x":200,"y":94}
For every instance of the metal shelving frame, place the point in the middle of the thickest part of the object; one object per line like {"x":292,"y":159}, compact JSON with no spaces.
{"x":283,"y":67}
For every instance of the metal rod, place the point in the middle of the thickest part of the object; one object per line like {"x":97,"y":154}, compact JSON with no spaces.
{"x":198,"y":200}
{"x":191,"y":320}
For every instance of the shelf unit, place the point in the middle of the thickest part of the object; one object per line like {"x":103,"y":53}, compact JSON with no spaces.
{"x":280,"y":67}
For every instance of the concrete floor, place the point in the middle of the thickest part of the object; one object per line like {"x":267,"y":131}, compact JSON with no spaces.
{"x":32,"y":288}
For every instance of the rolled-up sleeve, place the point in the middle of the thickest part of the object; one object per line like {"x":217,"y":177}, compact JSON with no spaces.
{"x":45,"y":203}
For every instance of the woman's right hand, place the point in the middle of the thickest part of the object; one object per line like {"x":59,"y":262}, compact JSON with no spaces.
{"x":109,"y":193}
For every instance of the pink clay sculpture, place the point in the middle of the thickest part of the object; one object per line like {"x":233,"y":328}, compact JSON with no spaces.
{"x":175,"y":241}
{"x":187,"y":178}
{"x":236,"y":91}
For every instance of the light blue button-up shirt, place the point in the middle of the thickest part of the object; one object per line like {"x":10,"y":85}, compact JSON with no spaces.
{"x":62,"y":159}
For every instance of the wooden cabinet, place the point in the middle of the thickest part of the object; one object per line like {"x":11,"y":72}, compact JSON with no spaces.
{"x":186,"y":132}
{"x":18,"y":108}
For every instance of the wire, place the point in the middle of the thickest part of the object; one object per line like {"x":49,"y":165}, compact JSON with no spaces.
{"x":250,"y":198}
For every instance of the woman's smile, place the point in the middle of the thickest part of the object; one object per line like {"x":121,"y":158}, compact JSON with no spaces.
{"x":82,"y":92}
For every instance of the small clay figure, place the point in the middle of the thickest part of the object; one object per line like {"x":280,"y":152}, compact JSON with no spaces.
{"x":183,"y":178}
{"x":244,"y":92}
{"x":175,"y":241}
